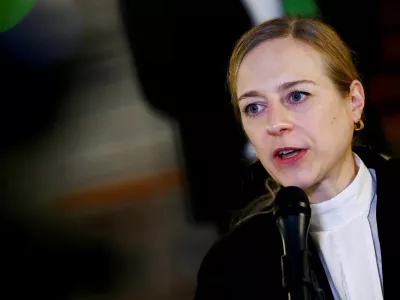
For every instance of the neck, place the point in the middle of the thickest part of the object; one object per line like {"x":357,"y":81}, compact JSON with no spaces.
{"x":335,"y":182}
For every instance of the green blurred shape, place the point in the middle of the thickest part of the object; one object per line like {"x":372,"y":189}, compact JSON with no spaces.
{"x":13,"y":11}
{"x":300,"y":8}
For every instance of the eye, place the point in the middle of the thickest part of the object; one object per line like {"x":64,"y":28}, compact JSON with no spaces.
{"x":297,"y":96}
{"x":253,"y":109}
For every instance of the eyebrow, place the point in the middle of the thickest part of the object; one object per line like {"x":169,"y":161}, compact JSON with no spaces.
{"x":281,"y":87}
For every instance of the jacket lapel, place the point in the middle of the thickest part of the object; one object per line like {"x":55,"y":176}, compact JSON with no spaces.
{"x":318,"y":269}
{"x":387,"y":215}
{"x":387,"y":210}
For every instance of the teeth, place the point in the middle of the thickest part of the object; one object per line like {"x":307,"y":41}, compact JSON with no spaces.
{"x":285,"y":152}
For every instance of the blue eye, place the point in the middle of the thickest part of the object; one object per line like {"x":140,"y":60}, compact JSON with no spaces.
{"x":252,"y":109}
{"x":297,"y":97}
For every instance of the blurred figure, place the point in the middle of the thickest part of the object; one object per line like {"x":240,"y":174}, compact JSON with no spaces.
{"x":43,"y":256}
{"x":180,"y":52}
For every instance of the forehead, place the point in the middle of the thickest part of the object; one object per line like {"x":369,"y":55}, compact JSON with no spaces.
{"x":277,"y":61}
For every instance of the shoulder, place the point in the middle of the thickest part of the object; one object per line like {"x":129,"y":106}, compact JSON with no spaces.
{"x":387,"y":172}
{"x":255,"y":230}
{"x":383,"y":163}
{"x":387,"y":168}
{"x":242,"y":262}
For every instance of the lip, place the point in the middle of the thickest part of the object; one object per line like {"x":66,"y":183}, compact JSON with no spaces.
{"x":291,"y":160}
{"x":276,"y":152}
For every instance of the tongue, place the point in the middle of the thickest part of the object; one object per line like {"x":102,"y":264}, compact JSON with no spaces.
{"x":290,"y":154}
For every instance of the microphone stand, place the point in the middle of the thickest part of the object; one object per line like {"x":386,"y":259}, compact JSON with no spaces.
{"x":305,"y":289}
{"x":292,"y":214}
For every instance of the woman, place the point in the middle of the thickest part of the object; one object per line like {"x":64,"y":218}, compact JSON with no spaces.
{"x":299,"y":99}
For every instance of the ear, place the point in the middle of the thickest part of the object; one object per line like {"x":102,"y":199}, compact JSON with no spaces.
{"x":357,"y":97}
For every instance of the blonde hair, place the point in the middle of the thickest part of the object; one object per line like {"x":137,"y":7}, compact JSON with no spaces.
{"x":261,"y":205}
{"x":338,"y":59}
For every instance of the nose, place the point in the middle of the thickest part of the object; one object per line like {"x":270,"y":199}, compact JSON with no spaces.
{"x":278,"y":120}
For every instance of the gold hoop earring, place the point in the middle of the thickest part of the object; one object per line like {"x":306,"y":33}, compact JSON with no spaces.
{"x":359,"y":125}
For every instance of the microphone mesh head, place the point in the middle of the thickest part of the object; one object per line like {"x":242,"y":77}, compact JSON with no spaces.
{"x":291,"y":200}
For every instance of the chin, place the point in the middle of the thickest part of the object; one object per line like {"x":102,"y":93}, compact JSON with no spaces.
{"x":302,"y":182}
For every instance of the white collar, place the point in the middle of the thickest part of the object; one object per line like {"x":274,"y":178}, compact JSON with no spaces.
{"x":353,"y":201}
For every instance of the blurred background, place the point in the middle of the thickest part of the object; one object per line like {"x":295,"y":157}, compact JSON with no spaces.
{"x":121,"y":161}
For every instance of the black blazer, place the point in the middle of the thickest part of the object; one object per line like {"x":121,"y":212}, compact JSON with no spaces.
{"x":246,"y":264}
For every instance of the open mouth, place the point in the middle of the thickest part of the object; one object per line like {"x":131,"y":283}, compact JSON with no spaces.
{"x":289,"y":155}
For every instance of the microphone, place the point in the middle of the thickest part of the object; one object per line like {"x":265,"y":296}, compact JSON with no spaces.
{"x":292,"y":214}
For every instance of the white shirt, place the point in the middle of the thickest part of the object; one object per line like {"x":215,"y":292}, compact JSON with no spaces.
{"x":345,"y":232}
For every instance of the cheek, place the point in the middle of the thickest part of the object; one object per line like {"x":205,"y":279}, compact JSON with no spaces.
{"x":332,"y":134}
{"x":341,"y":125}
{"x":256,"y":134}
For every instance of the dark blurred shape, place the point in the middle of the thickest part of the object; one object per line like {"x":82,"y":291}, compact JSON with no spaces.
{"x":34,"y":59}
{"x":30,"y":101}
{"x":181,"y":52}
{"x":363,"y":33}
{"x":49,"y":34}
{"x":384,"y":83}
{"x":47,"y":259}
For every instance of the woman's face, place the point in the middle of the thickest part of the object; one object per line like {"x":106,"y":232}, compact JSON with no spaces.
{"x":299,"y":124}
